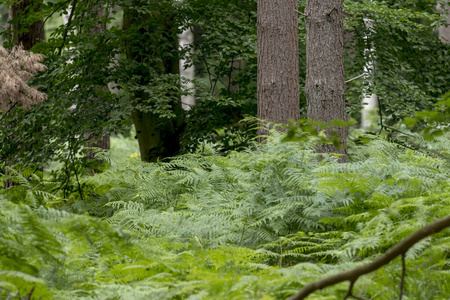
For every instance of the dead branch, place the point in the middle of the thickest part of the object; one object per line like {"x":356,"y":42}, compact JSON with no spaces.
{"x":300,"y":13}
{"x":398,"y":249}
{"x":357,"y":77}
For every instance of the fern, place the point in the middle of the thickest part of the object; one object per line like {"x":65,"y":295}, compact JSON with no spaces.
{"x":254,"y":224}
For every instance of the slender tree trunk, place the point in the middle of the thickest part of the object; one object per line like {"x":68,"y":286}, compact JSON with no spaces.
{"x":102,"y":142}
{"x":33,"y":34}
{"x":370,"y":54}
{"x":325,"y":82}
{"x":278,"y":62}
{"x":185,"y":39}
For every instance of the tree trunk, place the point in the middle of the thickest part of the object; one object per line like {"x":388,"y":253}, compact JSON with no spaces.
{"x":278,"y":62}
{"x":33,"y":34}
{"x":325,"y":82}
{"x":102,"y":142}
{"x":372,"y":101}
{"x":444,"y":31}
{"x":186,"y":38}
{"x":157,"y":137}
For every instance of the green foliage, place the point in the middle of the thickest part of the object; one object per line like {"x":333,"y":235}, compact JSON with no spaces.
{"x":410,"y":73}
{"x":410,"y":65}
{"x":437,"y":121}
{"x":256,"y":224}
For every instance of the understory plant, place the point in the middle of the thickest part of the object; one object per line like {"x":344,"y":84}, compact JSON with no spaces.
{"x":256,"y":224}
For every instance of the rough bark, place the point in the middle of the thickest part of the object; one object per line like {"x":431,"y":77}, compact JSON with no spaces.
{"x":325,"y":82}
{"x":278,"y":62}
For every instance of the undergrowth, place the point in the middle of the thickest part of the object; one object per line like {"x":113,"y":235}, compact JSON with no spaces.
{"x":256,"y":224}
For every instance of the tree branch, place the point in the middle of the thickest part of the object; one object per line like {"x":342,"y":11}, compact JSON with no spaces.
{"x":350,"y":80}
{"x":28,"y":297}
{"x":300,"y":13}
{"x":402,"y":280}
{"x":333,"y":9}
{"x":8,"y":111}
{"x":66,"y":30}
{"x":398,"y":249}
{"x":51,"y":14}
{"x":349,"y":292}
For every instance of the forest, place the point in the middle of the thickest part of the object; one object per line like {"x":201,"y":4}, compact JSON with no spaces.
{"x":225,"y":149}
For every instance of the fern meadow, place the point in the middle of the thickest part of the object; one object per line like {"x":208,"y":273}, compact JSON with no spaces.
{"x":255,"y":224}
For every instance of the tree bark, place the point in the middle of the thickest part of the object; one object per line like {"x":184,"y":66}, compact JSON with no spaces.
{"x":325,"y":82}
{"x":278,"y":62}
{"x":34,"y":33}
{"x":444,"y":31}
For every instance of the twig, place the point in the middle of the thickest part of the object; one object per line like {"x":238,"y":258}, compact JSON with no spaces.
{"x":49,"y":16}
{"x":28,"y":297}
{"x":333,"y":9}
{"x":300,"y":13}
{"x":7,"y":112}
{"x":188,"y":104}
{"x":396,"y":130}
{"x":74,"y":5}
{"x":402,"y":281}
{"x":350,"y":288}
{"x":398,"y":249}
{"x":350,"y":293}
{"x":357,"y":77}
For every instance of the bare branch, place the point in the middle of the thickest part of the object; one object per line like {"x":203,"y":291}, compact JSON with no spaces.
{"x":28,"y":297}
{"x":357,"y":77}
{"x":300,"y":13}
{"x":333,"y":9}
{"x":349,"y":292}
{"x":66,"y":29}
{"x":398,"y":249}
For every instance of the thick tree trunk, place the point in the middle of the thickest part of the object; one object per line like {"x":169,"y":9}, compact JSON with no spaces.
{"x":325,"y":82}
{"x":157,"y":137}
{"x":34,"y":33}
{"x":278,"y":62}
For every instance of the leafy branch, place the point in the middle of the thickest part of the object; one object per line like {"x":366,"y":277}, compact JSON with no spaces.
{"x":353,"y":275}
